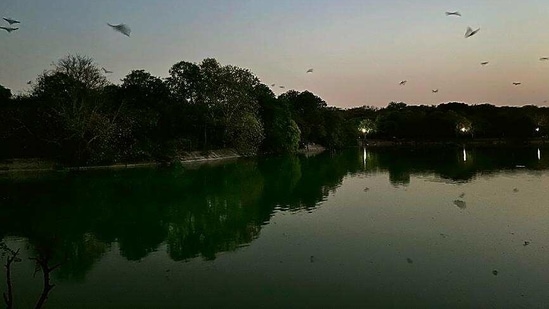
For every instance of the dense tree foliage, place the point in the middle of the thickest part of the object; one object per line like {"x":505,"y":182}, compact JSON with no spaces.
{"x":282,"y":133}
{"x":75,"y":116}
{"x":454,"y":120}
{"x":145,"y":104}
{"x":222,"y":102}
{"x":5,"y":94}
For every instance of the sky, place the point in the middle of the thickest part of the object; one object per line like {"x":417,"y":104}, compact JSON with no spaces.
{"x":360,"y":49}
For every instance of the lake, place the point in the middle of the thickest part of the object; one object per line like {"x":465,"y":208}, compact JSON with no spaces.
{"x":399,"y":227}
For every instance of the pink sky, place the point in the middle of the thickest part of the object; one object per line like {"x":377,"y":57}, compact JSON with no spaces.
{"x":360,"y":49}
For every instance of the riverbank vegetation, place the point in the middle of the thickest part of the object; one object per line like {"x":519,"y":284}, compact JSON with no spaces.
{"x":72,"y":114}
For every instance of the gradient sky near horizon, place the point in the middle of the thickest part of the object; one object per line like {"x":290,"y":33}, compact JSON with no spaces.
{"x":360,"y":49}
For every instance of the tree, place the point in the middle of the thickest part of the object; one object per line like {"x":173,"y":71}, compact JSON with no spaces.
{"x":367,"y":126}
{"x":219,"y":97}
{"x":334,"y":124}
{"x":184,"y":82}
{"x":236,"y":101}
{"x":145,"y":100}
{"x":246,"y":134}
{"x":74,"y":113}
{"x":282,"y":133}
{"x":306,"y":109}
{"x":5,"y":94}
{"x":194,"y":87}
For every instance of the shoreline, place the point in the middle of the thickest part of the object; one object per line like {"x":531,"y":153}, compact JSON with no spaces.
{"x":197,"y":158}
{"x":480,"y":142}
{"x":42,"y":165}
{"x":189,"y":158}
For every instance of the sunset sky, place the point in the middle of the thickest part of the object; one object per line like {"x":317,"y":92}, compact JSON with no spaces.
{"x":360,"y":49}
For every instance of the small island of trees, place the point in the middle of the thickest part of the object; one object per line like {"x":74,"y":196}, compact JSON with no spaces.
{"x":74,"y":116}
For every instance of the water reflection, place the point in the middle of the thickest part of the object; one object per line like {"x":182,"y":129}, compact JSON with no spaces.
{"x":201,"y":211}
{"x":195,"y":211}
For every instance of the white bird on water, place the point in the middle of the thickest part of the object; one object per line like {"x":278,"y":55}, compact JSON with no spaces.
{"x":9,"y":29}
{"x":11,"y":21}
{"x":106,"y":71}
{"x":434,"y":90}
{"x":122,"y":28}
{"x":456,"y":13}
{"x":402,"y":83}
{"x":470,"y":32}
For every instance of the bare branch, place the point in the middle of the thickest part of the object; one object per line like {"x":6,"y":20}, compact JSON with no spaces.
{"x":8,"y":297}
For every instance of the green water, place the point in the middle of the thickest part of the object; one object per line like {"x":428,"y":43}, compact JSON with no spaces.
{"x":438,"y":228}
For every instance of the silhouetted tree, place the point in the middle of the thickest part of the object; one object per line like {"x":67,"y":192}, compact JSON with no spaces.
{"x":74,"y":115}
{"x":5,"y":94}
{"x":306,"y":109}
{"x":282,"y":134}
{"x":146,"y":103}
{"x":74,"y":112}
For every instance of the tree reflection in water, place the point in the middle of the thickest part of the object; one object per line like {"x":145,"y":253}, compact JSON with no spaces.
{"x":201,"y":211}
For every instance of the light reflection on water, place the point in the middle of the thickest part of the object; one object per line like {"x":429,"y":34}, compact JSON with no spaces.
{"x":292,"y":232}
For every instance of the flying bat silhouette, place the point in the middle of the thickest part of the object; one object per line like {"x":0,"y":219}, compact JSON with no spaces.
{"x":9,"y":29}
{"x":470,"y":32}
{"x":11,"y":21}
{"x":122,"y":28}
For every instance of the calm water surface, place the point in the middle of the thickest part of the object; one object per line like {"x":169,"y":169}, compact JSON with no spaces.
{"x":361,"y":228}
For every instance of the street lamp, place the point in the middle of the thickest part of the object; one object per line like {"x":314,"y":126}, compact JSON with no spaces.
{"x":465,"y":129}
{"x":364,"y":131}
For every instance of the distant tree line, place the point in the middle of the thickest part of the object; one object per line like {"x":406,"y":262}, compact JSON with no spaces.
{"x":451,"y":120}
{"x":72,"y":114}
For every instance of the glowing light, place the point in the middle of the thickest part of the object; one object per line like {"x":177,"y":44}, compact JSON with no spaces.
{"x":463,"y":129}
{"x":537,"y":129}
{"x":464,"y":155}
{"x":539,"y":154}
{"x":363,"y":130}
